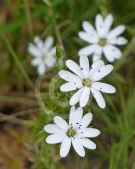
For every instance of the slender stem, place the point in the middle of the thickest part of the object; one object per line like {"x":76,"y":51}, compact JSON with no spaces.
{"x":56,"y":28}
{"x":39,"y":98}
{"x":28,"y":17}
{"x":17,"y":61}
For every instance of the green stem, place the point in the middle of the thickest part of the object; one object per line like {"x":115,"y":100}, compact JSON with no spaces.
{"x":28,"y":17}
{"x":56,"y":28}
{"x":17,"y":61}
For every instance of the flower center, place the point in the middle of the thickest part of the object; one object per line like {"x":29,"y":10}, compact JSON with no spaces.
{"x":102,"y":41}
{"x":71,"y":132}
{"x":86,"y":82}
{"x":43,"y":57}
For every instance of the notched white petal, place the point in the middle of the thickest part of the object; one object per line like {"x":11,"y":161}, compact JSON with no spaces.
{"x":68,"y":87}
{"x":74,"y":67}
{"x":89,"y":29}
{"x":116,"y":32}
{"x":108,"y":23}
{"x":41,"y":69}
{"x":68,"y":76}
{"x":84,"y":97}
{"x":84,"y":64}
{"x":76,"y":97}
{"x":102,"y":72}
{"x":86,"y":120}
{"x":65,"y":146}
{"x":85,"y":36}
{"x":71,"y":114}
{"x":107,"y":88}
{"x":118,"y":41}
{"x":78,"y":147}
{"x":33,"y":50}
{"x":48,"y":42}
{"x":112,"y":53}
{"x":77,"y":115}
{"x":89,"y":132}
{"x":99,"y":23}
{"x":52,"y":128}
{"x":55,"y":138}
{"x":88,"y":50}
{"x":88,"y":143}
{"x":98,"y":97}
{"x":60,"y":122}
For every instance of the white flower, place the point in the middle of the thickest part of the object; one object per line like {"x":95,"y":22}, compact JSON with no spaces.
{"x":43,"y":54}
{"x":85,"y":80}
{"x":75,"y":133}
{"x":102,"y":39}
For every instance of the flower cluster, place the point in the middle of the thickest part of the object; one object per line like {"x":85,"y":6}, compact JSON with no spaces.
{"x":84,"y":79}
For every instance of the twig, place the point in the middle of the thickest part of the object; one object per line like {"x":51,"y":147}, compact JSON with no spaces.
{"x":5,"y":117}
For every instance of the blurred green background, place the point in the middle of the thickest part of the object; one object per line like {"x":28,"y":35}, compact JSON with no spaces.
{"x":23,"y":114}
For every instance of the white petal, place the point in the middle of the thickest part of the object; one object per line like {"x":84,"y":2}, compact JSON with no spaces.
{"x":77,"y":115}
{"x":41,"y":69}
{"x":48,"y":42}
{"x":118,"y":41}
{"x":86,"y":120}
{"x":60,"y":122}
{"x":78,"y":147}
{"x":96,"y":57}
{"x":87,"y":50}
{"x":76,"y":97}
{"x":88,"y":143}
{"x":39,"y":43}
{"x":50,"y":60}
{"x":71,"y":116}
{"x":52,"y":128}
{"x":111,"y":52}
{"x":116,"y":32}
{"x":66,"y":75}
{"x":89,"y":132}
{"x":107,"y":88}
{"x":84,"y":36}
{"x":99,"y":23}
{"x":108,"y":53}
{"x":55,"y":138}
{"x":36,"y":61}
{"x":102,"y":72}
{"x":74,"y":67}
{"x":84,"y":97}
{"x":34,"y":51}
{"x":53,"y":51}
{"x":107,"y":24}
{"x":98,"y":97}
{"x":65,"y":146}
{"x":68,"y":87}
{"x":91,"y":32}
{"x":84,"y":63}
{"x":98,"y":50}
{"x":90,"y":38}
{"x":97,"y":64}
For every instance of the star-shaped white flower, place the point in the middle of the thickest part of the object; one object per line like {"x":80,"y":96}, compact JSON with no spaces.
{"x":43,"y":53}
{"x":86,"y":81}
{"x":102,"y":40}
{"x":75,"y":133}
